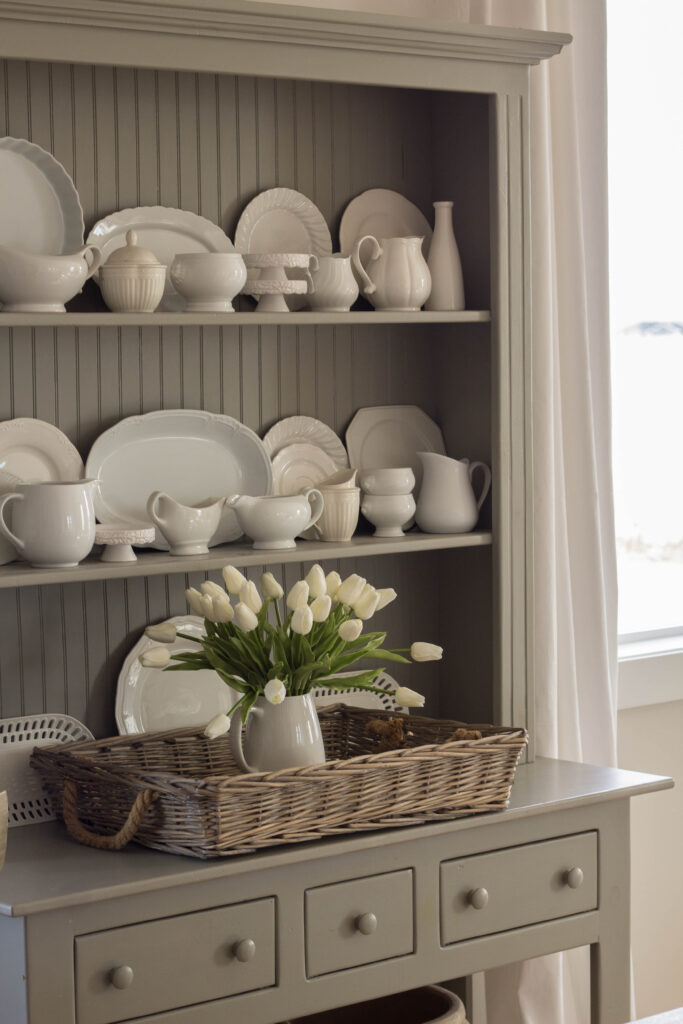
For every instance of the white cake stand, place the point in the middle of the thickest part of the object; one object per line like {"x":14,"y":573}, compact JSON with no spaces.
{"x":272,"y":284}
{"x":118,"y":541}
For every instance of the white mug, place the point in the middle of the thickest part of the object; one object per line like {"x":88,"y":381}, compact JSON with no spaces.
{"x":53,"y":523}
{"x":334,"y":288}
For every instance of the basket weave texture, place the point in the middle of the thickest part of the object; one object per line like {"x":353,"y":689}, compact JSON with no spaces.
{"x":193,"y":800}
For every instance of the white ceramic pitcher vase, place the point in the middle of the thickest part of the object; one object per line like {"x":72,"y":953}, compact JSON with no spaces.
{"x":285,"y":735}
{"x":396,"y":276}
{"x":447,"y":503}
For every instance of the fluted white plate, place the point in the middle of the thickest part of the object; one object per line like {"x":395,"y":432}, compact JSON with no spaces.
{"x":306,"y":430}
{"x":300,"y":466}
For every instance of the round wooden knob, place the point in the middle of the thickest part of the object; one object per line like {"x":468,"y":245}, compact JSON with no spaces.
{"x":575,"y":878}
{"x":245,"y":950}
{"x":479,"y":898}
{"x":366,"y":924}
{"x":122,"y":977}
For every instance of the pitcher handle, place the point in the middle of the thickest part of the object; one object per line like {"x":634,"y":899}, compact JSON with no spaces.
{"x":4,"y":528}
{"x":235,"y":737}
{"x":368,"y":286}
{"x":95,"y":261}
{"x":486,"y":485}
{"x":317,"y":503}
{"x":152,"y":502}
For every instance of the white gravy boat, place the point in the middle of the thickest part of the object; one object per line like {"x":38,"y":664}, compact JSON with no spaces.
{"x":187,"y":528}
{"x":33,"y":283}
{"x":274,"y":522}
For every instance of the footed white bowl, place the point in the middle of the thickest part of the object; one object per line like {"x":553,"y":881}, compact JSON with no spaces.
{"x":209,"y":281}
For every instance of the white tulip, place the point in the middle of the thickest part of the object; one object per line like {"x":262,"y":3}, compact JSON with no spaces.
{"x":275,"y":691}
{"x":234,"y":580}
{"x":155,"y":657}
{"x":386,"y":596}
{"x":425,"y":652}
{"x":302,"y":621}
{"x":350,"y":630}
{"x":194,"y":599}
{"x":298,"y":595}
{"x":245,"y":618}
{"x":218,"y":726}
{"x":207,"y":606}
{"x":270,"y":586}
{"x":162,"y":633}
{"x":366,"y":605}
{"x":250,"y":596}
{"x":223,"y":611}
{"x":321,"y":608}
{"x":212,"y":590}
{"x":317,"y":584}
{"x":408,"y":698}
{"x":350,"y":590}
{"x":332,"y":583}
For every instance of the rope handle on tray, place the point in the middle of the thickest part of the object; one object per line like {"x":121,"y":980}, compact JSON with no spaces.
{"x":124,"y":835}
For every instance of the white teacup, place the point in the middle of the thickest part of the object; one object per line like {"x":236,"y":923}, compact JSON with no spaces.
{"x":388,"y":480}
{"x":53,"y":524}
{"x":340,"y":513}
{"x":334,"y":285}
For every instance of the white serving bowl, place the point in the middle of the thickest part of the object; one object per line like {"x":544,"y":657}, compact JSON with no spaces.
{"x":388,"y":513}
{"x":387,"y":480}
{"x":209,"y":281}
{"x":130,"y":289}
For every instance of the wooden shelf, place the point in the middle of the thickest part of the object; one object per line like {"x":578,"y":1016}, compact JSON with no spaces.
{"x":156,"y":563}
{"x":250,"y":319}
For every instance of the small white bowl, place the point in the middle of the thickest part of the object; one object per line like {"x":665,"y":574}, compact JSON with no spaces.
{"x":209,"y":281}
{"x":387,"y":480}
{"x":389,"y":513}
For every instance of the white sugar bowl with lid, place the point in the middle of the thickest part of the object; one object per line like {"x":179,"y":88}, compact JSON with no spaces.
{"x":132,"y":280}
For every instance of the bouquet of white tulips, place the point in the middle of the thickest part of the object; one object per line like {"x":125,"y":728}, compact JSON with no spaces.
{"x":313,"y":636}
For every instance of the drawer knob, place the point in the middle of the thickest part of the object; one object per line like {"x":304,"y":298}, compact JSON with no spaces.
{"x":366,"y":924}
{"x":122,"y":977}
{"x":478,"y":898}
{"x":245,"y":950}
{"x":575,"y":878}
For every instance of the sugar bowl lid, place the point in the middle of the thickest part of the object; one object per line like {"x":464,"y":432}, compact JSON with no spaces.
{"x":132,"y":255}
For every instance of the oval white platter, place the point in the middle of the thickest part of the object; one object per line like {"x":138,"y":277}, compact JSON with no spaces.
{"x":300,"y":466}
{"x":39,"y":206}
{"x":190,"y":454}
{"x":306,"y":430}
{"x":38,"y":452}
{"x":392,"y":435}
{"x":149,"y":700}
{"x":384,"y":214}
{"x":164,"y":230}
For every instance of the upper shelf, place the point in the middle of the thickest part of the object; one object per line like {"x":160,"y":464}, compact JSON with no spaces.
{"x":159,"y":563}
{"x":250,"y":319}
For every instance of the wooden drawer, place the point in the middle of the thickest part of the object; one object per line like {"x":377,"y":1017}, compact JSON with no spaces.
{"x":359,"y":922}
{"x":175,"y":961}
{"x":523,"y":885}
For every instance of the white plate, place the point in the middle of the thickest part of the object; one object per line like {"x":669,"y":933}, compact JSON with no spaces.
{"x":384,"y":214}
{"x":360,"y":698}
{"x":166,"y":232}
{"x":306,"y":430}
{"x":392,"y":435}
{"x":192,"y":455}
{"x":149,"y":700}
{"x":299,"y":466}
{"x":39,"y":206}
{"x":38,"y":452}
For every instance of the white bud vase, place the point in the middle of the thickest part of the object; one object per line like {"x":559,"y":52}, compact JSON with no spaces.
{"x":448,"y":290}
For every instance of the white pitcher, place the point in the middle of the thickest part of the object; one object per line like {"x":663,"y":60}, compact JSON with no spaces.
{"x":396,"y":275}
{"x":447,"y":503}
{"x":334,"y":286}
{"x":285,"y":735}
{"x":53,"y":523}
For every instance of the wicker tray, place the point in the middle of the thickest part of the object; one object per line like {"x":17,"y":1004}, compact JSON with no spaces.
{"x":179,"y":792}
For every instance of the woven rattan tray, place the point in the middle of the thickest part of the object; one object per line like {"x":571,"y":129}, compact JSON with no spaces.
{"x":180,"y":792}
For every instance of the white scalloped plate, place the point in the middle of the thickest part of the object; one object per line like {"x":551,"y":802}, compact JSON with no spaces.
{"x":300,"y":466}
{"x":306,"y":430}
{"x":38,"y":452}
{"x":164,"y":230}
{"x":39,"y":206}
{"x":190,"y":454}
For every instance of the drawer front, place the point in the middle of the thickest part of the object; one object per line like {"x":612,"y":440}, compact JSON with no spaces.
{"x":146,"y":968}
{"x":359,"y":922}
{"x":516,"y":887}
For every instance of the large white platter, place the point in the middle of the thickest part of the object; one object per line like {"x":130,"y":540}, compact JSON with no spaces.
{"x":392,"y":435}
{"x":164,"y":230}
{"x":38,"y":452}
{"x":306,"y":430}
{"x":190,"y":454}
{"x":149,"y":700}
{"x":39,"y":206}
{"x":384,"y":214}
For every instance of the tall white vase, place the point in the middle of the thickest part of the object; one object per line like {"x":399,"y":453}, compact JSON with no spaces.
{"x":448,"y":290}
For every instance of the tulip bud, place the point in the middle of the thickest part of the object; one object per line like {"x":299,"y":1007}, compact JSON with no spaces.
{"x":321,"y":608}
{"x":386,"y":596}
{"x":155,"y":657}
{"x":425,"y":652}
{"x":212,"y":589}
{"x":332,"y":584}
{"x":302,"y":621}
{"x":316,"y":581}
{"x":350,"y":590}
{"x":408,"y":698}
{"x":218,"y":725}
{"x":223,"y":611}
{"x":245,"y":618}
{"x":162,"y":633}
{"x":298,"y":596}
{"x":194,"y":599}
{"x":350,"y":630}
{"x":250,"y":596}
{"x":234,"y":580}
{"x":275,"y":691}
{"x":207,"y":606}
{"x":270,"y":587}
{"x":366,"y":605}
